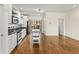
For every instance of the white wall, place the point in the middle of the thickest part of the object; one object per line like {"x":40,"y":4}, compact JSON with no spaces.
{"x":72,"y":24}
{"x":51,"y":22}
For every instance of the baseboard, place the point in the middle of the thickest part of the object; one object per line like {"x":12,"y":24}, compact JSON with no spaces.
{"x":51,"y":35}
{"x":72,"y":37}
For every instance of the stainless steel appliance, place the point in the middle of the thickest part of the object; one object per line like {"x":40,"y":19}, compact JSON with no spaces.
{"x":19,"y":35}
{"x":14,"y":20}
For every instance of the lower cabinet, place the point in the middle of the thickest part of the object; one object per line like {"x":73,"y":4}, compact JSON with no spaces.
{"x":12,"y":42}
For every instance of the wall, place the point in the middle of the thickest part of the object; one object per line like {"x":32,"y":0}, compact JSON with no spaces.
{"x":72,"y":24}
{"x":51,"y":22}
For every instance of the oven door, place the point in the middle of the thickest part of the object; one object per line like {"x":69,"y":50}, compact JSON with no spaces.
{"x":19,"y":36}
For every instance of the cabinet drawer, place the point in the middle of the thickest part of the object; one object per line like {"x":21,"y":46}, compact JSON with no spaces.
{"x":12,"y":41}
{"x":9,"y":46}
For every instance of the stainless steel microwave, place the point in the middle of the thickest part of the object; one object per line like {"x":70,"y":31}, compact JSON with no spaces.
{"x":14,"y":20}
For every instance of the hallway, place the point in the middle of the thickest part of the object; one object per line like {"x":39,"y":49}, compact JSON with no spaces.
{"x":49,"y":45}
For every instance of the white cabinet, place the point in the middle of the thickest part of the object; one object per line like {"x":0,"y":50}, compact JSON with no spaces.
{"x":9,"y":43}
{"x":23,"y":33}
{"x":15,"y":40}
{"x":25,"y":19}
{"x":19,"y":18}
{"x":12,"y":42}
{"x":9,"y":14}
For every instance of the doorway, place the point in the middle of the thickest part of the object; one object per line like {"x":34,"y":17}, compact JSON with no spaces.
{"x":61,"y":31}
{"x":61,"y":26}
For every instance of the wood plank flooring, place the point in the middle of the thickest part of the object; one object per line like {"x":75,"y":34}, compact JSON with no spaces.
{"x":49,"y":45}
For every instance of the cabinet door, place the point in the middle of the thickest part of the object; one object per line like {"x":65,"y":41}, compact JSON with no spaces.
{"x":10,"y":43}
{"x":9,"y":11}
{"x":14,"y":40}
{"x":25,"y":19}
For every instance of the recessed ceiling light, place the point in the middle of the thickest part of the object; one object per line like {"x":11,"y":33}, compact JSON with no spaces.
{"x":21,"y":8}
{"x":74,"y":6}
{"x":39,"y":10}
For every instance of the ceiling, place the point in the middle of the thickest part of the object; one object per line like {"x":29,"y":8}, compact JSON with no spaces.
{"x":31,"y":8}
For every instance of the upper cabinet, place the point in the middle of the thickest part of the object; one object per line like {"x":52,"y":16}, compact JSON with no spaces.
{"x":8,"y":8}
{"x":20,"y":18}
{"x":24,"y":19}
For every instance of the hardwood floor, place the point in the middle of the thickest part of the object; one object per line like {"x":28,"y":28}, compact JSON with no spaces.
{"x":49,"y":45}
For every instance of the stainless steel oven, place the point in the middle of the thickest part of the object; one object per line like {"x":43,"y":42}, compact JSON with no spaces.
{"x":19,"y":35}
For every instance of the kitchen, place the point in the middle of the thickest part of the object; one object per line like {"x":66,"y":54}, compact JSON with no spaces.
{"x":39,"y":28}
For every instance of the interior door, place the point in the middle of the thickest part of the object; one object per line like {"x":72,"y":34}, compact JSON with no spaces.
{"x":61,"y":26}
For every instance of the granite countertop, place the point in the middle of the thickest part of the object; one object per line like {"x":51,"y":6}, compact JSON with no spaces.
{"x":15,"y":30}
{"x":19,"y":28}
